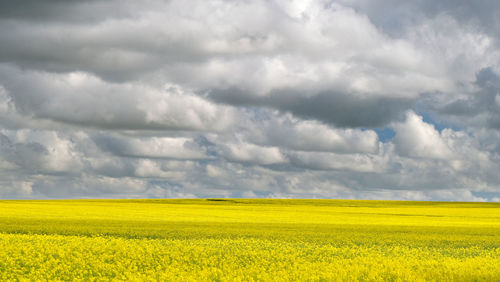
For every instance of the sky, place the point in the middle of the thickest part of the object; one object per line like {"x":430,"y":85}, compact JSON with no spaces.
{"x":348,"y":99}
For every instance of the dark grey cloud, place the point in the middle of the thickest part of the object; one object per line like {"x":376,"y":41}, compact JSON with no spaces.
{"x":53,"y":10}
{"x":27,"y":156}
{"x":345,"y":110}
{"x":102,"y":37}
{"x":396,"y":16}
{"x":480,"y":108}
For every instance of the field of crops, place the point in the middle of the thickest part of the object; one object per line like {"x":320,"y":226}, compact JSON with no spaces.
{"x":279,"y":240}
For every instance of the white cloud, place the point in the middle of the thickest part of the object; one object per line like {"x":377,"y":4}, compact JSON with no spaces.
{"x":161,"y":147}
{"x":330,"y":161}
{"x":416,"y":138}
{"x":289,"y":132}
{"x":152,"y":169}
{"x":250,"y":153}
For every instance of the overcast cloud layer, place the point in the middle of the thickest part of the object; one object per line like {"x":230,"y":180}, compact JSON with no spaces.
{"x":291,"y":99}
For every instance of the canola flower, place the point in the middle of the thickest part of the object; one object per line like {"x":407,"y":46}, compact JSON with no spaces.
{"x":249,"y":240}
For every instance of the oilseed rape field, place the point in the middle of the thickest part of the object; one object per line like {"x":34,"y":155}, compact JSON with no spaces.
{"x":249,"y":240}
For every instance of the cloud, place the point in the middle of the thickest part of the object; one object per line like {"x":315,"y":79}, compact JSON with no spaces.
{"x":395,"y":16}
{"x":480,"y":107}
{"x":250,"y":153}
{"x":271,"y":128}
{"x":339,"y":109}
{"x":84,"y":100}
{"x":415,"y":138}
{"x":40,"y":152}
{"x":151,"y":147}
{"x":250,"y":99}
{"x":295,"y":58}
{"x":309,"y":135}
{"x":351,"y":162}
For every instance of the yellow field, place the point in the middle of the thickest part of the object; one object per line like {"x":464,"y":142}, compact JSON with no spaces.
{"x":278,"y":240}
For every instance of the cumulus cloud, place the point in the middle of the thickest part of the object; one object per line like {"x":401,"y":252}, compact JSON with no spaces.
{"x":250,"y":99}
{"x":250,"y":153}
{"x":151,"y":147}
{"x":415,"y":138}
{"x":311,"y":135}
{"x":324,"y":161}
{"x":40,"y":152}
{"x":85,"y":100}
{"x":300,"y":58}
{"x":478,"y":107}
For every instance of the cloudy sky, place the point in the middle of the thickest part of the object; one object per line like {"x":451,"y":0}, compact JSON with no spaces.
{"x":360,"y":99}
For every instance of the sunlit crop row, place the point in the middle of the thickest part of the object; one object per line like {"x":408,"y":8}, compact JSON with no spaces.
{"x":79,"y":257}
{"x":72,"y":248}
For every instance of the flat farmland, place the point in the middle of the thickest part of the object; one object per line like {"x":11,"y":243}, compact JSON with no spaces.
{"x":249,"y":240}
